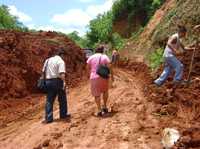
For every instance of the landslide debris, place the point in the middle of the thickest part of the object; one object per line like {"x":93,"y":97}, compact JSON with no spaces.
{"x":22,"y":55}
{"x":182,"y":109}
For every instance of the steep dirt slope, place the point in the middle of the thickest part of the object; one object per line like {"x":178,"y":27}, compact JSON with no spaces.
{"x":22,"y":56}
{"x":125,"y":29}
{"x":163,"y":24}
{"x":183,"y":104}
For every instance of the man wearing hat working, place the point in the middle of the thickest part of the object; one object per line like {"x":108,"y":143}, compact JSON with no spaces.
{"x":54,"y":70}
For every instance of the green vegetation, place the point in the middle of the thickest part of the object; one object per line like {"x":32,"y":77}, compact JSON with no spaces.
{"x":117,"y":41}
{"x":135,"y":8}
{"x":156,"y":58}
{"x":137,"y":33}
{"x":100,"y":29}
{"x":182,"y":13}
{"x":81,"y":41}
{"x":7,"y":21}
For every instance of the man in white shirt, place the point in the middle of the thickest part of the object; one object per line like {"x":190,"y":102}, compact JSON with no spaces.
{"x":171,"y":62}
{"x":54,"y":68}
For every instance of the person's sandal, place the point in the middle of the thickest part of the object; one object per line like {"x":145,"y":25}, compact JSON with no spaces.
{"x":99,"y":114}
{"x":105,"y":110}
{"x":46,"y":122}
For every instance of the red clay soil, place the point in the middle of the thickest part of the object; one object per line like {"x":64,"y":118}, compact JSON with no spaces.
{"x":180,"y":110}
{"x":22,"y":56}
{"x":129,"y":124}
{"x":139,"y":113}
{"x":183,"y":105}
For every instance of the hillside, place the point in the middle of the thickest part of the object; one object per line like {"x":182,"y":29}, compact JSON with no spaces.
{"x":125,"y":27}
{"x":163,"y":24}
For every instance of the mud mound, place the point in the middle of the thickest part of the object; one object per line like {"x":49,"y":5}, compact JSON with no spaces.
{"x":181,"y":109}
{"x":22,"y":56}
{"x":183,"y":105}
{"x":140,"y":69}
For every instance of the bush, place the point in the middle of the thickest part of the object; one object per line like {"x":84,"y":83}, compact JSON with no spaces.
{"x":100,"y":29}
{"x":80,"y":41}
{"x":117,"y":41}
{"x":156,"y":58}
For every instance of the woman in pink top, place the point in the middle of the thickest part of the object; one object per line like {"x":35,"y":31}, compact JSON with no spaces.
{"x":99,"y":85}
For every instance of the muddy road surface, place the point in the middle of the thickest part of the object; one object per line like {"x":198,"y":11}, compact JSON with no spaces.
{"x":129,"y":125}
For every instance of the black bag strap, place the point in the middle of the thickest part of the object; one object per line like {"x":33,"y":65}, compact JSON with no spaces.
{"x":100,"y":60}
{"x":45,"y":69}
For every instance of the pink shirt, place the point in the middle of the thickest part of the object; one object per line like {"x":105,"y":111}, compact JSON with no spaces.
{"x":93,"y":62}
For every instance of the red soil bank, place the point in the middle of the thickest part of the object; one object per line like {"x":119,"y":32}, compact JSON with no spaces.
{"x":184,"y":105}
{"x":22,"y":55}
{"x":182,"y":109}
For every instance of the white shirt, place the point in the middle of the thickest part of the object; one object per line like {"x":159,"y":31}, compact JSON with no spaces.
{"x":168,"y":51}
{"x":55,"y":66}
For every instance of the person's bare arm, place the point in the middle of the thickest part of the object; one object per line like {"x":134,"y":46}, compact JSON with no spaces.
{"x":42,"y":75}
{"x":186,"y":48}
{"x":171,"y":41}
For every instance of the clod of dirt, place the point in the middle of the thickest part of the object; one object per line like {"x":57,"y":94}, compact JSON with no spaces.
{"x":38,"y":147}
{"x":46,"y":143}
{"x":56,"y":135}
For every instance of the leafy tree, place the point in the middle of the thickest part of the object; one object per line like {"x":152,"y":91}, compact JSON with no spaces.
{"x":100,"y":29}
{"x":81,"y":41}
{"x":117,"y":41}
{"x":74,"y":36}
{"x":8,"y":21}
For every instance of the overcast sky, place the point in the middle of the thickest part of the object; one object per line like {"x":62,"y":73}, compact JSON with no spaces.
{"x":59,"y":15}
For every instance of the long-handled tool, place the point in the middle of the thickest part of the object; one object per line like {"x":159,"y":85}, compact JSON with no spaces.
{"x":188,"y":81}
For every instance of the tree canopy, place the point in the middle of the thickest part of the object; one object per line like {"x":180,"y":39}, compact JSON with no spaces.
{"x":8,"y":21}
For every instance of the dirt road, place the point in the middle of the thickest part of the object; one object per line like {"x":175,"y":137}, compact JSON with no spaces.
{"x":129,"y":126}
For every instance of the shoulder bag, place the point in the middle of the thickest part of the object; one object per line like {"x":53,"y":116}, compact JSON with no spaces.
{"x":103,"y":70}
{"x":41,"y":83}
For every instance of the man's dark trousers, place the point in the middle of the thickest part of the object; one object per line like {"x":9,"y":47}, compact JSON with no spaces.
{"x":55,"y":88}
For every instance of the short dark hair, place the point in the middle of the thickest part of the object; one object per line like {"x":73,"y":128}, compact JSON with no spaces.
{"x":100,"y":49}
{"x":182,"y":29}
{"x":61,"y":52}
